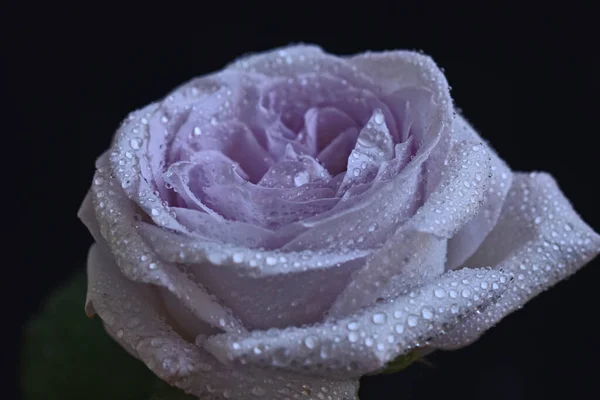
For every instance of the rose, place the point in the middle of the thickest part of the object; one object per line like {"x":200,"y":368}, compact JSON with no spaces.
{"x":297,"y":220}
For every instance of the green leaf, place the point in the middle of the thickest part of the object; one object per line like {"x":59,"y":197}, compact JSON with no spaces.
{"x":404,"y":361}
{"x":67,"y":356}
{"x":400,"y":363}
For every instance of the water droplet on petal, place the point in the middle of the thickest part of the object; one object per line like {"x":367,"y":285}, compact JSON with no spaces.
{"x":427,"y":313}
{"x":379,"y":318}
{"x":311,"y":342}
{"x":412,"y":320}
{"x":135,"y":143}
{"x":399,"y":328}
{"x":258,"y":391}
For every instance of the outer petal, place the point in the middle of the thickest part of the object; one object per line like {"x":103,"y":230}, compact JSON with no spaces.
{"x":263,"y":288}
{"x":365,"y":342}
{"x":136,"y":322}
{"x":410,"y":256}
{"x":118,"y":225}
{"x":408,"y":259}
{"x":466,"y":241}
{"x":460,"y":193}
{"x":292,"y":61}
{"x":539,"y":238}
{"x":133,"y":168}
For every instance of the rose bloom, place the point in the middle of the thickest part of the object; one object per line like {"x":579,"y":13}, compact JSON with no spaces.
{"x":281,"y":227}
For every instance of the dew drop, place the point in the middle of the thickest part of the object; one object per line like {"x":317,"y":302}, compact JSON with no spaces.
{"x":427,"y":313}
{"x":412,"y":320}
{"x":270,"y":260}
{"x":311,"y":341}
{"x":301,"y":178}
{"x":399,"y":328}
{"x":135,"y":143}
{"x":379,"y":318}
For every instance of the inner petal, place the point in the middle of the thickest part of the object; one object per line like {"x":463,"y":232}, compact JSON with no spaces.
{"x":373,"y":147}
{"x":335,"y":155}
{"x":292,"y":100}
{"x":294,"y":171}
{"x":232,"y":138}
{"x":323,"y":125}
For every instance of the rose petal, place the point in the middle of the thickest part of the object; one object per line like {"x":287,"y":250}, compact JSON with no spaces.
{"x":396,"y":71}
{"x":87,"y":215}
{"x":322,"y":125}
{"x":209,"y":229}
{"x":116,"y":215}
{"x":335,"y":155}
{"x":365,"y":220}
{"x":373,"y":147}
{"x":136,"y":324}
{"x":212,"y":183}
{"x":290,"y":99}
{"x":408,"y":259}
{"x":231,"y":138}
{"x":539,"y":238}
{"x":365,"y":342}
{"x":456,"y":199}
{"x":460,"y":194}
{"x":422,"y":72}
{"x":263,"y":288}
{"x":133,"y":168}
{"x":468,"y":239}
{"x":294,"y":60}
{"x":179,"y":177}
{"x":294,"y":171}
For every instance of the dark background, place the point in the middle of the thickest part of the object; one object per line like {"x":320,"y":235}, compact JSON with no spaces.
{"x":526,"y":79}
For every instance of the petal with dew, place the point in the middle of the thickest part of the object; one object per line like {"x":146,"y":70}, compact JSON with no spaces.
{"x":365,"y":342}
{"x":137,"y":323}
{"x":263,"y":288}
{"x":407,"y":260}
{"x":116,"y":215}
{"x":466,"y":241}
{"x":539,"y":238}
{"x":373,"y":147}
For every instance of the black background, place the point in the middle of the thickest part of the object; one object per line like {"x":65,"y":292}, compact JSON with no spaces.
{"x":525,"y":78}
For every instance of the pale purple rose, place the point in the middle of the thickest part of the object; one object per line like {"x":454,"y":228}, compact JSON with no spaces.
{"x":283,"y":226}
